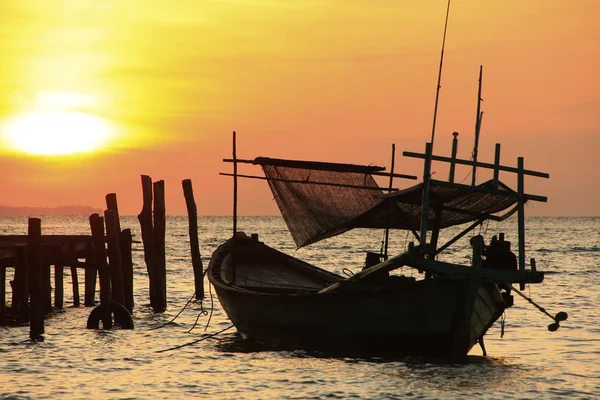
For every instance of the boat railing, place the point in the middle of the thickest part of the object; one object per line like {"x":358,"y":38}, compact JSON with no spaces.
{"x":496,"y":189}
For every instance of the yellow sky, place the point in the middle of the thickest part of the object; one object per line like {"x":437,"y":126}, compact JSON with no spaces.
{"x":337,"y":80}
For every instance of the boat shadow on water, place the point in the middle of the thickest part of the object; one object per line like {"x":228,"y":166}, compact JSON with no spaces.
{"x":440,"y":374}
{"x":235,"y":343}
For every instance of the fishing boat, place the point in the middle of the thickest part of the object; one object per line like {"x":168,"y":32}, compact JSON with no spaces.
{"x":283,"y":302}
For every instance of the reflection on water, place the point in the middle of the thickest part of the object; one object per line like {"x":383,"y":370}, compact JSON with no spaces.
{"x":529,"y":362}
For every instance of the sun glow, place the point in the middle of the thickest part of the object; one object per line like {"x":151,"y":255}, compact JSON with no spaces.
{"x":57,"y":132}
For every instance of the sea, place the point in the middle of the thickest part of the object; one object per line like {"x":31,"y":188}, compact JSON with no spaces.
{"x":180,"y":354}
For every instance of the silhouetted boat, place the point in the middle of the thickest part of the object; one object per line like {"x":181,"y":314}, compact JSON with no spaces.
{"x":281,"y":301}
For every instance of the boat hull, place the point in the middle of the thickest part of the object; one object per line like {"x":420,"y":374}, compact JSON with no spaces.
{"x":402,"y":318}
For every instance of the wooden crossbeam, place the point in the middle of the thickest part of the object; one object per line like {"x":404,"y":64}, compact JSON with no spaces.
{"x":477,"y":164}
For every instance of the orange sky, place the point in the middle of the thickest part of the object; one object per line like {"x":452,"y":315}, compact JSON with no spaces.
{"x":328,"y":80}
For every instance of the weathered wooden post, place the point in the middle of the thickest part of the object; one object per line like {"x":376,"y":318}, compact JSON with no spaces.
{"x":21,"y":284}
{"x":35,"y":278}
{"x":159,"y":232}
{"x":97,"y":227}
{"x":91,"y":275}
{"x":58,"y":284}
{"x":114,"y":256}
{"x":521,"y":215}
{"x":145,"y":218}
{"x":188,"y":193}
{"x":111,"y":204}
{"x":127,"y":268}
{"x":496,"y":165}
{"x":75,"y":285}
{"x":46,"y":285}
{"x":2,"y":289}
{"x":453,"y":157}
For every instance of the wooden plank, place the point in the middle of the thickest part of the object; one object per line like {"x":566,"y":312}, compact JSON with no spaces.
{"x":479,"y":189}
{"x":314,"y":165}
{"x":478,"y":163}
{"x":310,"y":182}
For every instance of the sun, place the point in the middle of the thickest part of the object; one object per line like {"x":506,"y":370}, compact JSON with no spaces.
{"x":57,"y":132}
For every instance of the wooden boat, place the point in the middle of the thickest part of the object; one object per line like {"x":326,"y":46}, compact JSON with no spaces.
{"x":283,"y":302}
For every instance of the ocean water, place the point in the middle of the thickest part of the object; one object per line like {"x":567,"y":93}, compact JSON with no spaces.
{"x":528,"y":362}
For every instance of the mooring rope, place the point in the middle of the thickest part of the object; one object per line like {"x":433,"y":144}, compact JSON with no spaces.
{"x":175,"y":317}
{"x":195,"y":341}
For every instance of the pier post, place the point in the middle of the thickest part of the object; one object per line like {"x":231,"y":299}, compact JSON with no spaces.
{"x":127,"y":268}
{"x":91,"y":276}
{"x":114,"y":256}
{"x":159,"y":243}
{"x":75,"y":285}
{"x":58,"y":284}
{"x":97,"y":227}
{"x":145,"y":218}
{"x":35,"y":278}
{"x":21,"y":285}
{"x":2,"y":289}
{"x":46,"y":285}
{"x":188,"y":193}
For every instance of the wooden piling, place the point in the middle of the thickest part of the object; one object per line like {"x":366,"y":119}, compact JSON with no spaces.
{"x":47,"y":286}
{"x":114,"y":256}
{"x":75,"y":284}
{"x":145,"y":218}
{"x":188,"y":193}
{"x":58,"y":284}
{"x":97,"y":228}
{"x":91,"y":276}
{"x":127,"y":268}
{"x":35,"y":279}
{"x":21,"y":285}
{"x":453,"y":157}
{"x":159,"y":243}
{"x":2,"y":289}
{"x":111,"y":204}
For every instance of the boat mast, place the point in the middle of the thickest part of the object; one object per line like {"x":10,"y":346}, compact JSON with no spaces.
{"x":235,"y":190}
{"x":439,"y":81}
{"x":478,"y":119}
{"x":387,"y":230}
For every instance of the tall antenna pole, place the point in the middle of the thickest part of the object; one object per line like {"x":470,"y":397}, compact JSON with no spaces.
{"x":439,"y":82}
{"x":478,"y":119}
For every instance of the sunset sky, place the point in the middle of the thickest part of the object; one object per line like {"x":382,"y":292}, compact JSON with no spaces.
{"x":134,"y":87}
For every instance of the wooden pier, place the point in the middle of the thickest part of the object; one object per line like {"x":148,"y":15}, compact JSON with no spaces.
{"x":105,"y":256}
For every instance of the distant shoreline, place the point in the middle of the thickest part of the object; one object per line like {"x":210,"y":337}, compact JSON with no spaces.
{"x":61,"y":211}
